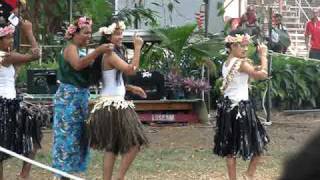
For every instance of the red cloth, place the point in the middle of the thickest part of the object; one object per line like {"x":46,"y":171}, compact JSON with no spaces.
{"x":313,"y":30}
{"x":12,"y":3}
{"x":235,"y":22}
{"x":251,"y":19}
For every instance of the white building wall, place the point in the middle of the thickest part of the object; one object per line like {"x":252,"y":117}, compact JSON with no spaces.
{"x":183,"y":13}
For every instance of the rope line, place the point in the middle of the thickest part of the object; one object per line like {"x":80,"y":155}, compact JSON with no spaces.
{"x":56,"y":171}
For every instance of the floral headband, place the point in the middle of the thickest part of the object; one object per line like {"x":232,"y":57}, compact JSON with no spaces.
{"x":7,"y":30}
{"x":243,"y":39}
{"x":82,"y":23}
{"x":110,"y":29}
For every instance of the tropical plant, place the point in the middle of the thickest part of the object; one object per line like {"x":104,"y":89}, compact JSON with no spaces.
{"x":194,"y":85}
{"x":167,"y":6}
{"x":294,"y":83}
{"x":174,"y":81}
{"x":181,"y":47}
{"x":99,"y":10}
{"x":139,"y":14}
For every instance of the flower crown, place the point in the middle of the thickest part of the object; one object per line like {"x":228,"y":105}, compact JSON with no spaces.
{"x":110,"y":29}
{"x":243,"y":39}
{"x":7,"y":30}
{"x":82,"y":23}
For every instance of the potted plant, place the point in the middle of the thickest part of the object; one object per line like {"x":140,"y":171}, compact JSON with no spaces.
{"x":174,"y":83}
{"x":193,"y":87}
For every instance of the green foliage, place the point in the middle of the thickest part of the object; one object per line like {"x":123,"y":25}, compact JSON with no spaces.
{"x":99,"y":10}
{"x":295,"y":83}
{"x":220,"y":8}
{"x":181,"y":48}
{"x":175,"y":39}
{"x":138,"y":14}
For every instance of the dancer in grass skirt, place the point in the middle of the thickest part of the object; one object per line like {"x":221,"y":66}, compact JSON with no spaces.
{"x":239,"y":132}
{"x":20,"y":122}
{"x":114,"y":125}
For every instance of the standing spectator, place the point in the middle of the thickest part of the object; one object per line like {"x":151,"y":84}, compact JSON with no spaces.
{"x":249,"y":23}
{"x":232,"y":12}
{"x":313,"y":30}
{"x":280,"y":40}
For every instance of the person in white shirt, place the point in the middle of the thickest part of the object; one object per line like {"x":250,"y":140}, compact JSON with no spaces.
{"x":13,"y":136}
{"x":114,"y":126}
{"x":239,"y":132}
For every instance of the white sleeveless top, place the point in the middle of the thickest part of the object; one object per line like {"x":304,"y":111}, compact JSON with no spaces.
{"x":238,"y":88}
{"x":7,"y":82}
{"x":111,"y":87}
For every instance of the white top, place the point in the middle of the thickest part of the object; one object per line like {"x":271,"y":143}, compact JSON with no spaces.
{"x":7,"y":82}
{"x":111,"y":87}
{"x":238,"y":88}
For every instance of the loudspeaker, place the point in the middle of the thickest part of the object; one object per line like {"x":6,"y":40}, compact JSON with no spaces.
{"x":42,"y":81}
{"x":151,"y":82}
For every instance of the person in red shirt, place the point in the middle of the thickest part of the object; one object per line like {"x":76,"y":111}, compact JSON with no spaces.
{"x":313,"y":31}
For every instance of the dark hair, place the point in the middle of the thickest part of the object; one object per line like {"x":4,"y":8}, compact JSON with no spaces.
{"x":75,"y":23}
{"x":97,"y":65}
{"x":3,"y":24}
{"x":6,"y":10}
{"x":304,"y":164}
{"x":277,"y":15}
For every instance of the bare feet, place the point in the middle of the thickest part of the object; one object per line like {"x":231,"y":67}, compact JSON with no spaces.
{"x":19,"y":177}
{"x":248,"y":177}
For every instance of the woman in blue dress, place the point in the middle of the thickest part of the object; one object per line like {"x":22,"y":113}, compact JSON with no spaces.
{"x":70,"y":147}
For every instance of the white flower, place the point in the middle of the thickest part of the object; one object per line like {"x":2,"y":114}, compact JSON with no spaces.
{"x":122,"y":25}
{"x":113,"y":26}
{"x":110,"y":29}
{"x":105,"y":30}
{"x":2,"y":54}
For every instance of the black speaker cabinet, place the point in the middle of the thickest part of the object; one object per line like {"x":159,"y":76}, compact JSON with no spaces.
{"x":42,"y":81}
{"x":151,"y":82}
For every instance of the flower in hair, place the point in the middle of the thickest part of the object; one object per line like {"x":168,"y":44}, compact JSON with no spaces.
{"x":238,"y":38}
{"x":72,"y":28}
{"x":122,"y":25}
{"x":110,"y":29}
{"x":7,"y":30}
{"x":84,"y":21}
{"x":70,"y":31}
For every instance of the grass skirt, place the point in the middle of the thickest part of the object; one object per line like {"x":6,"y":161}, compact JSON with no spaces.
{"x":20,"y":126}
{"x":114,"y":126}
{"x":238,"y":130}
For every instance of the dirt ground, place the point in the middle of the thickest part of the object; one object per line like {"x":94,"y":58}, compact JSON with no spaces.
{"x":180,"y":151}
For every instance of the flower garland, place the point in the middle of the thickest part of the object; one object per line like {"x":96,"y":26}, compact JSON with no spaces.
{"x":110,"y":29}
{"x":7,"y":30}
{"x":115,"y":101}
{"x":226,"y":81}
{"x":82,"y":23}
{"x":233,"y":70}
